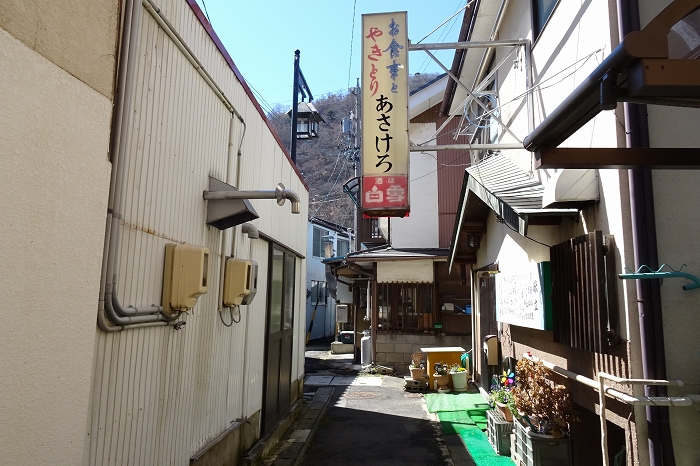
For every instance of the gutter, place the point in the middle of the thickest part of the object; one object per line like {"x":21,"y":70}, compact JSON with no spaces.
{"x":458,"y":61}
{"x":646,"y":253}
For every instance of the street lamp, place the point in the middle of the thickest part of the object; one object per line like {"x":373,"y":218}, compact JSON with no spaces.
{"x":305,"y":118}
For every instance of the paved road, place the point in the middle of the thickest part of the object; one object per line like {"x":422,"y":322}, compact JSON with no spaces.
{"x":357,"y":418}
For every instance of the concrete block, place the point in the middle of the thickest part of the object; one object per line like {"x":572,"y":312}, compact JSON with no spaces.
{"x":342,"y":348}
{"x":386,"y":347}
{"x":394,"y":357}
{"x":404,"y":348}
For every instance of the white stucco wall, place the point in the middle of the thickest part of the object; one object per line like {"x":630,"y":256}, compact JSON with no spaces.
{"x":53,"y":159}
{"x":420,"y":228}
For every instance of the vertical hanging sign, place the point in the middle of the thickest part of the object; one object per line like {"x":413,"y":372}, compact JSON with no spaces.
{"x":385,"y":154}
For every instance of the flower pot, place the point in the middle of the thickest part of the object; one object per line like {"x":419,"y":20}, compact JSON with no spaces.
{"x":503,"y":408}
{"x":416,"y":373}
{"x":443,"y":382}
{"x":459,"y":380}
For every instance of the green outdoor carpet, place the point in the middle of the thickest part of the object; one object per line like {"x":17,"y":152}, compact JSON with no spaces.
{"x":480,"y":449}
{"x":458,"y":408}
{"x":464,"y":414}
{"x":455,"y":401}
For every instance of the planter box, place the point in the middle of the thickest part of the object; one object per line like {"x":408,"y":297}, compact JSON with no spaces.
{"x":534,"y":450}
{"x":498,"y":431}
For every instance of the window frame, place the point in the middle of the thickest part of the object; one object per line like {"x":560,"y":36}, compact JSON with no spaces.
{"x":318,"y":300}
{"x":337,"y":246}
{"x":537,"y":27}
{"x":319,"y":243}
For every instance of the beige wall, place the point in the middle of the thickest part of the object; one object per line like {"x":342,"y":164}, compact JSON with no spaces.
{"x":420,"y":228}
{"x":78,"y":36}
{"x":54,"y":141}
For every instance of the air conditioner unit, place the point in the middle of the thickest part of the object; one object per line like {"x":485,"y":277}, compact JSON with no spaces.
{"x":240,"y":281}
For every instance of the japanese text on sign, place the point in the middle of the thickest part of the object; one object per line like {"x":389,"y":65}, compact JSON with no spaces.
{"x":385,"y":112}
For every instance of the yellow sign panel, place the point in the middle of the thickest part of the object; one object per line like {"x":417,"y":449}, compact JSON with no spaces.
{"x":385,"y":153}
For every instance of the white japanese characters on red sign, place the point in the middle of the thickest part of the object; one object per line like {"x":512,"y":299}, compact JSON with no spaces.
{"x":385,"y":191}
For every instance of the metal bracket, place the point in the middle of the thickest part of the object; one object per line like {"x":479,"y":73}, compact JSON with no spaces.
{"x":658,"y":274}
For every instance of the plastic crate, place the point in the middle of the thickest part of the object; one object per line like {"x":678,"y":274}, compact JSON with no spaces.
{"x":533,"y":450}
{"x":498,"y":431}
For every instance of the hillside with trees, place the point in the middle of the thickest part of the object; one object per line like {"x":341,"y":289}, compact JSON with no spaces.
{"x":328,"y":162}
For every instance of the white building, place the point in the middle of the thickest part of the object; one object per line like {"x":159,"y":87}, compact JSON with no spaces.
{"x":575,"y":204}
{"x":325,"y":240}
{"x":122,"y":114}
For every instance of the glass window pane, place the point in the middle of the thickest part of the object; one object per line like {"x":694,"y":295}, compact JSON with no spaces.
{"x":276,"y":287}
{"x":289,"y":271}
{"x":343,"y":248}
{"x":318,"y":293}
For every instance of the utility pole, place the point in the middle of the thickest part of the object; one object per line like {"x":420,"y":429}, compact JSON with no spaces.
{"x":295,"y":110}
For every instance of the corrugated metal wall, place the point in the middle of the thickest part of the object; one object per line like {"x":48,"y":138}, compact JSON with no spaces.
{"x":160,"y":394}
{"x":451,"y":166}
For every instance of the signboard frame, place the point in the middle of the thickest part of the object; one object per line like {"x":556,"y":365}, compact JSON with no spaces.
{"x":384,"y":187}
{"x":524,"y":298}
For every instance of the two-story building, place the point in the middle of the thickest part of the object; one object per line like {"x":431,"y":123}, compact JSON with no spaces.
{"x":582,"y":204}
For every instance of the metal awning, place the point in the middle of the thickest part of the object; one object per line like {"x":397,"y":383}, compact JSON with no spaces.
{"x":657,"y":65}
{"x":359,"y":264}
{"x":497,"y":184}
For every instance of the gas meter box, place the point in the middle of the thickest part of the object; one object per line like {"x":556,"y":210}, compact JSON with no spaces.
{"x":240,"y":281}
{"x":184,"y":276}
{"x":341,"y":313}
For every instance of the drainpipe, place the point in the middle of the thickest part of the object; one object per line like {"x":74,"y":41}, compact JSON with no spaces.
{"x":645,"y":253}
{"x":109,"y":308}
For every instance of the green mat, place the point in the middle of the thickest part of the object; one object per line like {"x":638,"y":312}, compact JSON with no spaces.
{"x":480,"y":449}
{"x":455,"y":402}
{"x":464,"y":414}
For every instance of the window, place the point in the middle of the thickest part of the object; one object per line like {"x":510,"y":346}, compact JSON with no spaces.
{"x":343,"y":248}
{"x":318,"y":293}
{"x":319,"y":242}
{"x":405,"y":307}
{"x":541,"y":11}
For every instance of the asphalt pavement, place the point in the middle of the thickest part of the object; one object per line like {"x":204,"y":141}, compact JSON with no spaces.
{"x":351,"y":417}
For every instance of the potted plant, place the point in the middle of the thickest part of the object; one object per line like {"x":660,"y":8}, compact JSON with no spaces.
{"x":545,"y":415}
{"x":544,"y":405}
{"x":416,"y":367}
{"x":459,"y":377}
{"x":501,"y":394}
{"x":442,"y":377}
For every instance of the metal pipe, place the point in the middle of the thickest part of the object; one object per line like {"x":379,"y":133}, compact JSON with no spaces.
{"x":109,"y":307}
{"x":129,"y":50}
{"x":179,"y":42}
{"x":280,"y":193}
{"x":251,"y":230}
{"x":466,"y":89}
{"x":295,"y":109}
{"x":486,"y":59}
{"x":472,"y":44}
{"x":465,"y":147}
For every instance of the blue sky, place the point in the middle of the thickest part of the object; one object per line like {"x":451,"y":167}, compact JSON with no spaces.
{"x":261,"y":37}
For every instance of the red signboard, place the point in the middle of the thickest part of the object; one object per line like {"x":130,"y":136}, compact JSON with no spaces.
{"x":385,"y":193}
